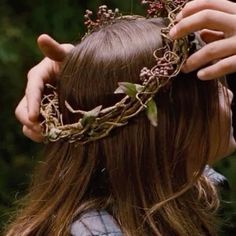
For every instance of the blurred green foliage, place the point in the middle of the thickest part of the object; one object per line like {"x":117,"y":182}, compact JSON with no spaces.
{"x":21,"y":22}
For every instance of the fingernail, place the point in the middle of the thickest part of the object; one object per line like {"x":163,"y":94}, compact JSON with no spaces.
{"x":173,"y":32}
{"x":179,"y":16}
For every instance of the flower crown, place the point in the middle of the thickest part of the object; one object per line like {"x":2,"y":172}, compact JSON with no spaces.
{"x":99,"y":122}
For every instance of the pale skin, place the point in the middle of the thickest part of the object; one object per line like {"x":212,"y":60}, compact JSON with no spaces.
{"x":215,"y":19}
{"x":27,"y":111}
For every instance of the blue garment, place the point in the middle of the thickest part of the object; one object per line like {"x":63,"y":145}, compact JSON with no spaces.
{"x":101,"y":223}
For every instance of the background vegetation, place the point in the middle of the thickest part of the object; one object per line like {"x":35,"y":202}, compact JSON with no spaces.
{"x":21,"y":21}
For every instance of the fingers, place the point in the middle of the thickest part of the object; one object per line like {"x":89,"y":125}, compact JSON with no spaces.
{"x":199,"y":5}
{"x":37,"y":77}
{"x":44,"y":72}
{"x":210,"y":52}
{"x":52,"y":49}
{"x":205,"y":19}
{"x":21,"y":113}
{"x":209,"y":36}
{"x":30,"y":133}
{"x":221,"y":68}
{"x":31,"y":129}
{"x":216,"y":21}
{"x":27,"y":112}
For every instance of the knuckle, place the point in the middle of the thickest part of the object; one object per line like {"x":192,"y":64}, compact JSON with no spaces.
{"x":187,"y":8}
{"x":181,"y":26}
{"x":204,"y":2}
{"x":30,"y":73}
{"x":195,"y":6}
{"x":210,"y":51}
{"x":17,"y":112}
{"x":206,"y":15}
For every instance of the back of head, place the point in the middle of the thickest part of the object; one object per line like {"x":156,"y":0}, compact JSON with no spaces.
{"x":148,"y":177}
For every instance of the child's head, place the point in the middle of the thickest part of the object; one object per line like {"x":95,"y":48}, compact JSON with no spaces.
{"x":134,"y":170}
{"x":190,"y":113}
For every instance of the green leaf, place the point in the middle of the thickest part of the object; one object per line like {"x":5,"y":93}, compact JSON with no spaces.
{"x":90,"y":116}
{"x":139,"y":88}
{"x":129,"y":89}
{"x":87,"y":120}
{"x":152,"y":112}
{"x":93,"y":113}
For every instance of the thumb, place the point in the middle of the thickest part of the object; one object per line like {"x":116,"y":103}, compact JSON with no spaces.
{"x":52,"y":49}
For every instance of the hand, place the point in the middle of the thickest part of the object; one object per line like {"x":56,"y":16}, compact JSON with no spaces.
{"x":216,"y":21}
{"x":27,"y":111}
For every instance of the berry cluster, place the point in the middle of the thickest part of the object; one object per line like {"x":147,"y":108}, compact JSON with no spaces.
{"x":105,"y":16}
{"x":155,"y":8}
{"x":161,"y":8}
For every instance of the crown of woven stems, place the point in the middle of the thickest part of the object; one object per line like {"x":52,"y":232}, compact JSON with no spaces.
{"x":99,"y":122}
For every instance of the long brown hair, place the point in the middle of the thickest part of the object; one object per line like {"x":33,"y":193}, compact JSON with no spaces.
{"x":149,"y":179}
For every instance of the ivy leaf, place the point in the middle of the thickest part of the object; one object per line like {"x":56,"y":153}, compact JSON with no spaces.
{"x":93,"y":113}
{"x":139,"y":88}
{"x":119,"y":90}
{"x":152,"y":112}
{"x":90,"y":116}
{"x":129,"y":89}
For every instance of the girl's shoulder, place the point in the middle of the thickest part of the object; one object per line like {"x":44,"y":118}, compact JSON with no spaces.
{"x":96,"y":223}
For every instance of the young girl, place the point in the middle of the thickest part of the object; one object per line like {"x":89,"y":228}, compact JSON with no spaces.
{"x":140,"y":179}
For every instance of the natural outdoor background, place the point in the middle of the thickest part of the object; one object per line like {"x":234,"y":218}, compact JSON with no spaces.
{"x":21,"y":22}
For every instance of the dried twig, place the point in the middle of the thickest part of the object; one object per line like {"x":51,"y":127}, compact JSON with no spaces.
{"x":98,"y":123}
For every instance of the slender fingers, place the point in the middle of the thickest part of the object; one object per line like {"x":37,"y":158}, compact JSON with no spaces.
{"x":33,"y":135}
{"x":21,"y":113}
{"x":44,"y":72}
{"x":221,"y":68}
{"x":211,"y":15}
{"x":37,"y":77}
{"x":211,"y":52}
{"x":52,"y":49}
{"x":205,"y":19}
{"x":199,"y":5}
{"x":27,"y":112}
{"x":209,"y":36}
{"x":30,"y":129}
